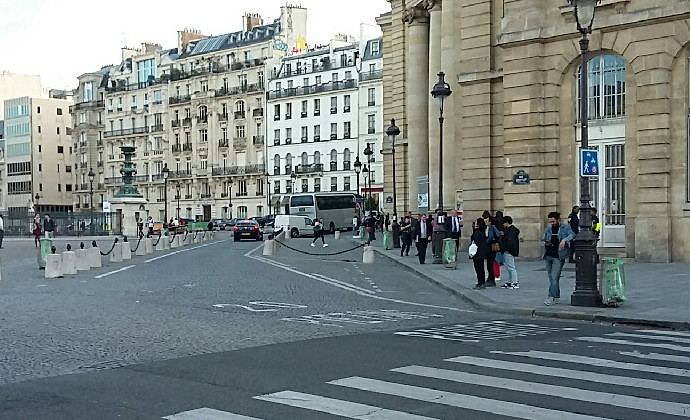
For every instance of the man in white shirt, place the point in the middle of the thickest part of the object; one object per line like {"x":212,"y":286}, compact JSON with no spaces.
{"x":2,"y":230}
{"x":454,"y":227}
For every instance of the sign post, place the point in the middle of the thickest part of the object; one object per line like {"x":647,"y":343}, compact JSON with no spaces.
{"x":589,"y":162}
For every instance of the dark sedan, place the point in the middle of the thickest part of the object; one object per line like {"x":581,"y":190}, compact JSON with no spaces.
{"x":247,"y":229}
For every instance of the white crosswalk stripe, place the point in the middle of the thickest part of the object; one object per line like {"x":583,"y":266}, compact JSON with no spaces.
{"x":663,"y":392}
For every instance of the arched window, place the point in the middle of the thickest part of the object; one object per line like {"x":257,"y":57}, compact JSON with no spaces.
{"x":305,"y":159}
{"x":288,"y":164}
{"x":605,"y":88}
{"x":317,"y":158}
{"x":239,"y":109}
{"x":334,"y":160}
{"x":276,"y":164}
{"x":346,"y":159}
{"x":202,"y":114}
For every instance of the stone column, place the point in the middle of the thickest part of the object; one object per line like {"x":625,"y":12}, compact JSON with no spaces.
{"x":417,"y":97}
{"x":450,"y":51}
{"x":434,"y":9}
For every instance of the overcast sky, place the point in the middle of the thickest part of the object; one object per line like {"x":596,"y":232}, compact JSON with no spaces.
{"x":61,"y":40}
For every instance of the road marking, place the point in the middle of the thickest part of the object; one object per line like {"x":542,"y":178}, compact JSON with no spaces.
{"x":488,"y":330}
{"x":207,"y":414}
{"x":657,"y":356}
{"x":674,"y":333}
{"x":651,"y":337}
{"x":591,"y":361}
{"x":278,"y":305}
{"x":340,"y":408}
{"x":469,"y":402}
{"x":250,"y":309}
{"x":572,"y":374}
{"x":368,"y":294}
{"x":119,"y":270}
{"x":607,"y":398}
{"x":635,"y":343}
{"x":342,"y":283}
{"x":181,"y":251}
{"x":360,"y":317}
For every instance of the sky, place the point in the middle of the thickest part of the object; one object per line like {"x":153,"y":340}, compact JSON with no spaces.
{"x":61,"y":40}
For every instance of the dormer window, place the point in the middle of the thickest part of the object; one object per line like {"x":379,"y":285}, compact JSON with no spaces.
{"x":375,"y":48}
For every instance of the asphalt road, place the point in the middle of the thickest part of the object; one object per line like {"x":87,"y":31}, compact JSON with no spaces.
{"x":217,"y":332}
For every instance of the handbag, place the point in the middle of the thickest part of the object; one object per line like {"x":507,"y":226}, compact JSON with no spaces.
{"x":495,"y":243}
{"x":472,"y":251}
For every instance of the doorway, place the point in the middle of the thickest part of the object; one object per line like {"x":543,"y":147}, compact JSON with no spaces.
{"x":207,"y":212}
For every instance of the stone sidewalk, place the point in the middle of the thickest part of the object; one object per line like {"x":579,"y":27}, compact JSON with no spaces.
{"x":656,"y":293}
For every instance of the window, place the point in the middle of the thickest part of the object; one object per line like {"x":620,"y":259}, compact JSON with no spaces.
{"x":134,"y":101}
{"x":371,"y":96}
{"x":334,"y":78}
{"x":304,"y":109}
{"x":242,"y":212}
{"x":606,"y":88}
{"x":348,"y":75}
{"x":261,"y":78}
{"x":288,"y":136}
{"x":305,"y":159}
{"x":61,"y":149}
{"x":203,"y":163}
{"x":346,"y":105}
{"x":157,"y":97}
{"x":305,"y":134}
{"x":346,"y":159}
{"x":346,"y":129}
{"x":334,"y":131}
{"x":288,"y":111}
{"x":317,"y":184}
{"x":334,"y":183}
{"x":68,"y":187}
{"x":317,"y":80}
{"x":203,"y":136}
{"x":240,"y":132}
{"x":38,"y":109}
{"x":242,"y":188}
{"x":375,"y":48}
{"x":276,"y":137}
{"x":371,"y":123}
{"x":204,"y":86}
{"x":22,"y":187}
{"x":276,"y":164}
{"x":276,"y":112}
{"x":288,"y":164}
{"x":317,"y":107}
{"x":317,"y":158}
{"x":305,"y":82}
{"x":334,"y":160}
{"x":317,"y":133}
{"x":58,"y":130}
{"x":305,"y":185}
{"x":334,"y":105}
{"x":346,"y":183}
{"x":59,"y":186}
{"x":59,"y":111}
{"x":242,"y":80}
{"x":68,"y":168}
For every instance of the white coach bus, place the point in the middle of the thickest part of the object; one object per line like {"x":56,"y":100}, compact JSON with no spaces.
{"x":336,"y":209}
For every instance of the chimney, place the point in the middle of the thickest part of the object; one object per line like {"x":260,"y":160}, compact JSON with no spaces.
{"x":187,"y":35}
{"x":251,"y":21}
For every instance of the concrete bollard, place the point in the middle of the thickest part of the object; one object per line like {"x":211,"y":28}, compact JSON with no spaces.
{"x":269,"y":247}
{"x":196,"y":238}
{"x":174,"y":244}
{"x":368,"y":256}
{"x":148,"y":245}
{"x":116,"y":253}
{"x":336,"y":235}
{"x":188,"y":239}
{"x":95,"y":257}
{"x":83,"y":263}
{"x":69,"y":263}
{"x":53,"y":266}
{"x":160,"y":244}
{"x":126,"y":251}
{"x":141,"y":248}
{"x":166,"y":242}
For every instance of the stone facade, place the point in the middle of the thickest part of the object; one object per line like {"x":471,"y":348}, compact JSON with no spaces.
{"x":513,"y":67}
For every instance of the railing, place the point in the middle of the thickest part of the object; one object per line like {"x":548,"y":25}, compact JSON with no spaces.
{"x":113,"y":180}
{"x":258,"y":140}
{"x":254,"y":87}
{"x":187,"y":122}
{"x":179,"y":99}
{"x":121,"y":87}
{"x":224,"y":195}
{"x":176,"y":148}
{"x":179,"y":174}
{"x":99,"y":143}
{"x":86,"y":105}
{"x":240,"y":115}
{"x":156,"y":128}
{"x":325,"y":64}
{"x":202,"y":119}
{"x":222,"y":117}
{"x":223,"y":143}
{"x":187,"y":196}
{"x":234,"y":170}
{"x":126,"y":132}
{"x":176,"y":123}
{"x":258,"y":112}
{"x":99,"y":164}
{"x":305,"y":90}
{"x":187,"y":147}
{"x":241,"y":194}
{"x":308,"y":169}
{"x":371,"y":75}
{"x":205,"y":196}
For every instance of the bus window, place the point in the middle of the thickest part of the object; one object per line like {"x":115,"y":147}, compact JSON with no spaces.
{"x":301,"y":201}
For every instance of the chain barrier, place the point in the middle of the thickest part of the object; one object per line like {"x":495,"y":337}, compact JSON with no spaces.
{"x":111,"y":249}
{"x":196,"y":232}
{"x":321,"y":255}
{"x":186,"y":232}
{"x":172,"y":238}
{"x":160,"y":235}
{"x":138,"y":242}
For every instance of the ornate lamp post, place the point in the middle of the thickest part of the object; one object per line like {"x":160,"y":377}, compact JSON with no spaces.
{"x":358,"y":170}
{"x":440,"y":92}
{"x":166,"y":174}
{"x":91,"y":176}
{"x":36,"y":198}
{"x":586,"y":289}
{"x":293,"y":179}
{"x":177,"y":189}
{"x":230,"y":198}
{"x":393,"y":131}
{"x":368,"y":152}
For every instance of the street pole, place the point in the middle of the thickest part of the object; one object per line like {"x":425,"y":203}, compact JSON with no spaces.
{"x":441,"y":91}
{"x":230,"y":198}
{"x":179,"y":191}
{"x":358,"y":169}
{"x":166,"y":173}
{"x":91,"y":176}
{"x":393,"y":131}
{"x":586,"y":289}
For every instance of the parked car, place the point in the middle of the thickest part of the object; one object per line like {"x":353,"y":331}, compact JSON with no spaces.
{"x":294,"y":225}
{"x":247,"y":229}
{"x":223,"y":224}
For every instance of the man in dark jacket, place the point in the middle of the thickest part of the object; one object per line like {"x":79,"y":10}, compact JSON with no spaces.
{"x":511,"y":248}
{"x":422,"y":237}
{"x":574,"y":222}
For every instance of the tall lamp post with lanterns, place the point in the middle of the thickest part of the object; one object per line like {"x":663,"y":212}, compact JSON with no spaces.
{"x":393,"y":131}
{"x":358,"y":170}
{"x":368,"y":152}
{"x":441,"y":91}
{"x":166,"y":174}
{"x":586,"y":289}
{"x":178,"y":190}
{"x":230,"y":198}
{"x":91,"y":176}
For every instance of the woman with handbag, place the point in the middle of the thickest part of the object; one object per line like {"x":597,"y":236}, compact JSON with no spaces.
{"x":36,"y":229}
{"x":493,"y":240}
{"x":479,"y":251}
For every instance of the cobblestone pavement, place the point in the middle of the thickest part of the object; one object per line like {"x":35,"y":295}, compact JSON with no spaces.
{"x":205,"y":298}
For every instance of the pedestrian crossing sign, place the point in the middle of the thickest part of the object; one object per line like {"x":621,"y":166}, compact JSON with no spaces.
{"x":589,"y":162}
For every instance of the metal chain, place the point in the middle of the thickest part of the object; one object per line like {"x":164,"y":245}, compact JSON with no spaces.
{"x":321,"y":255}
{"x":172,"y":238}
{"x":137,"y":247}
{"x":160,"y":235}
{"x":186,"y":232}
{"x":111,"y":249}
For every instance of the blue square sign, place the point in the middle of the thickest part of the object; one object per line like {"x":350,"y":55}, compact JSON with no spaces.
{"x":589,"y":162}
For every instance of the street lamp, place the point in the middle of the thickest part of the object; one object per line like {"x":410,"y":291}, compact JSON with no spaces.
{"x":166,"y":174}
{"x":393,"y":131}
{"x":586,"y":290}
{"x":230,"y":198}
{"x":441,"y":91}
{"x":36,"y":198}
{"x":91,"y":176}
{"x":368,"y":152}
{"x":293,"y":178}
{"x":177,"y":189}
{"x":358,"y":170}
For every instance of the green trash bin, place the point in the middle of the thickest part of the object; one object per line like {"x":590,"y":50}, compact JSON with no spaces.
{"x":612,"y":281}
{"x":43,"y":251}
{"x":387,"y":240}
{"x":450,"y":255}
{"x":362,"y":232}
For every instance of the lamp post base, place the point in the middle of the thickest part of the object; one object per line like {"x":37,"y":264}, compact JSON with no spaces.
{"x":396,"y":234}
{"x":586,"y":282}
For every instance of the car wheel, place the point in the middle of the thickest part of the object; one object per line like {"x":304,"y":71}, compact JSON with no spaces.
{"x":294,"y":233}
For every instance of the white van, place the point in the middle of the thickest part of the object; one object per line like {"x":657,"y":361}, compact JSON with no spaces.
{"x":295,"y":225}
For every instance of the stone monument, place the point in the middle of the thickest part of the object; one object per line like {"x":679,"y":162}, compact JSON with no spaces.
{"x":128,"y":204}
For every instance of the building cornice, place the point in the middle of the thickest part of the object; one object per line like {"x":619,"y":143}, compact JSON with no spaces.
{"x":479,"y":77}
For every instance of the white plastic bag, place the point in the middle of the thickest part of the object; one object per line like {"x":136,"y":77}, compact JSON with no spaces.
{"x":472,"y":250}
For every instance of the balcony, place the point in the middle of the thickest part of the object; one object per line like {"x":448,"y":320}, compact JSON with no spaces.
{"x":177,"y":148}
{"x":309,"y":169}
{"x":334,"y":110}
{"x":258,"y":112}
{"x":371,"y":75}
{"x":99,"y":164}
{"x":241,"y":194}
{"x":288,"y":140}
{"x":180,"y":174}
{"x":371,"y":130}
{"x":126,"y":132}
{"x":334,"y":136}
{"x":346,"y":108}
{"x":276,"y":142}
{"x":258,"y":140}
{"x":156,"y":128}
{"x":224,"y":195}
{"x":324,"y":65}
{"x":240,"y":115}
{"x":222,"y":117}
{"x":205,"y":196}
{"x":317,"y":138}
{"x":306,"y":90}
{"x":113,"y":180}
{"x":187,"y":196}
{"x":238,"y":90}
{"x":317,"y":112}
{"x":346,"y":135}
{"x":239,"y":142}
{"x":99,"y":143}
{"x":187,"y":122}
{"x":86,"y":105}
{"x":303,"y":114}
{"x":276,"y":117}
{"x":303,"y":139}
{"x":176,"y":123}
{"x":239,"y":170}
{"x":288,"y":116}
{"x":187,"y":147}
{"x":371,"y":103}
{"x":202,"y":119}
{"x":177,"y":100}
{"x":223,"y":143}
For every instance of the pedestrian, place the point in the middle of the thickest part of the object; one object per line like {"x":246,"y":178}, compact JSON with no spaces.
{"x":371,"y":227}
{"x":510,"y":247}
{"x":596,"y":225}
{"x":379,"y":221}
{"x":82,"y":227}
{"x":355,"y":225}
{"x":2,"y":230}
{"x":387,"y":221}
{"x":555,"y":241}
{"x":479,"y":251}
{"x":318,"y":232}
{"x":140,"y":226}
{"x":574,"y":223}
{"x":493,"y":238}
{"x":150,"y":226}
{"x":405,"y":236}
{"x":36,"y":229}
{"x":49,"y":227}
{"x":423,"y":237}
{"x":454,"y":228}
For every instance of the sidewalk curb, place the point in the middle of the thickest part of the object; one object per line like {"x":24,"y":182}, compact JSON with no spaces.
{"x":489,"y":305}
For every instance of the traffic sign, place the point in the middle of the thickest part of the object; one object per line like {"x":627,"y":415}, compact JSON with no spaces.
{"x":589,"y":162}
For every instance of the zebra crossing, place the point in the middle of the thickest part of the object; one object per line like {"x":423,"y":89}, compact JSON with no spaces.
{"x":620,"y":375}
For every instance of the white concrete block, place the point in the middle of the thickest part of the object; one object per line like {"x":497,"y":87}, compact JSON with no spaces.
{"x":159,"y":243}
{"x":95,"y":257}
{"x":69,"y":262}
{"x":116,"y":253}
{"x":126,"y":251}
{"x":83,"y":260}
{"x":336,"y":235}
{"x":189,"y":239}
{"x":269,"y":247}
{"x":149,"y":245}
{"x":175,"y":242}
{"x":368,"y":256}
{"x":166,"y":242}
{"x":53,"y":266}
{"x":141,"y":248}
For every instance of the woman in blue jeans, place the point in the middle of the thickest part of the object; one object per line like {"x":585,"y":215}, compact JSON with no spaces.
{"x":555,"y":249}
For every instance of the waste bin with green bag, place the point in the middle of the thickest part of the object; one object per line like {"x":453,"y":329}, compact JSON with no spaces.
{"x":43,"y":250}
{"x":612,"y":282}
{"x":450,"y":254}
{"x":387,"y":240}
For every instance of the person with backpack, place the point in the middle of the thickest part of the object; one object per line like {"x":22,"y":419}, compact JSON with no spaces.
{"x":318,"y":232}
{"x":510,"y":247}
